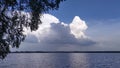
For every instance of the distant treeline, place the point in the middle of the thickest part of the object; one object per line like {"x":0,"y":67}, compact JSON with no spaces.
{"x":65,"y":52}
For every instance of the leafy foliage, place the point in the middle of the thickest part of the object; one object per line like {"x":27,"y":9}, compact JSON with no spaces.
{"x":13,"y":20}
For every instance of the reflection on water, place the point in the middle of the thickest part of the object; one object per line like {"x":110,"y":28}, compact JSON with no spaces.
{"x":61,"y":60}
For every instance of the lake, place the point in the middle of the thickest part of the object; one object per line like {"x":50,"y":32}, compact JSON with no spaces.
{"x":61,"y":60}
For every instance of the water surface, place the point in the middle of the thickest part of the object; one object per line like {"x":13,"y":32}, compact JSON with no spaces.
{"x":61,"y":60}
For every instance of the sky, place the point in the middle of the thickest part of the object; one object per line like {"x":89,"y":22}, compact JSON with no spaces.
{"x":78,"y":25}
{"x":88,"y":10}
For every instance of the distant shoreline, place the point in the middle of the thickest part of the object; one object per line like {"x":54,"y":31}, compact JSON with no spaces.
{"x":65,"y":52}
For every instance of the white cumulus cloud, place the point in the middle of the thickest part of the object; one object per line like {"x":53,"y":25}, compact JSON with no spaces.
{"x":78,"y":27}
{"x":58,"y":34}
{"x":52,"y":26}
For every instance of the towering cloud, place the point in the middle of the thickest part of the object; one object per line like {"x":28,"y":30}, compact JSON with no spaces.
{"x":77,"y":27}
{"x":54,"y":33}
{"x":52,"y":29}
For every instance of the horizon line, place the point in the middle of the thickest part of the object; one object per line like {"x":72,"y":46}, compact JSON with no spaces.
{"x":65,"y":52}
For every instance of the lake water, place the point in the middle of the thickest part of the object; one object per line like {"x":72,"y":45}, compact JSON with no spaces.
{"x":61,"y":60}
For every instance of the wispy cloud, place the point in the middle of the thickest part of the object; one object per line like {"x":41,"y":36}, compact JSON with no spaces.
{"x":106,"y":33}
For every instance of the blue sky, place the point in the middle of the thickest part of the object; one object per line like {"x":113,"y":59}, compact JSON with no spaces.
{"x":88,"y":10}
{"x":88,"y":25}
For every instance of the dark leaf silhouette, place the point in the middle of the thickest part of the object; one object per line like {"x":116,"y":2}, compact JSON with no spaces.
{"x":13,"y":20}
